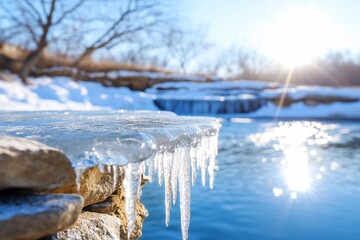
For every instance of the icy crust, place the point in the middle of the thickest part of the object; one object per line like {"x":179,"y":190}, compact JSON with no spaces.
{"x":144,"y":142}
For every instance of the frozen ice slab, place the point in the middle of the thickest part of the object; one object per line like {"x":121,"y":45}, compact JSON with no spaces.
{"x":144,"y":142}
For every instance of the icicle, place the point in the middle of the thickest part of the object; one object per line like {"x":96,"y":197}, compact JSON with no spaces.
{"x":131,"y":188}
{"x":211,"y":170}
{"x":78,"y":173}
{"x":193,"y":165}
{"x":115,"y":175}
{"x":142,"y":167}
{"x":212,"y":163}
{"x":204,"y":160}
{"x":151,"y":168}
{"x":199,"y":153}
{"x":101,"y":167}
{"x":185,"y":192}
{"x":175,"y":172}
{"x":168,"y":162}
{"x":155,"y":164}
{"x":160,"y":167}
{"x":120,"y":170}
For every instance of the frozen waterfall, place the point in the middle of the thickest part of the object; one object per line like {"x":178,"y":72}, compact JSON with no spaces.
{"x":208,"y":98}
{"x":144,"y":142}
{"x":210,"y":105}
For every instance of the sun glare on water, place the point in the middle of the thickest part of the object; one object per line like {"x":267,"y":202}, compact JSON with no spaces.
{"x":297,"y":36}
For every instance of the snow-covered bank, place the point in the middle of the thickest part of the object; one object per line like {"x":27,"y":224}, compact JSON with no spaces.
{"x":64,"y":94}
{"x":265,"y":90}
{"x":243,"y":98}
{"x":337,"y":110}
{"x":257,"y":99}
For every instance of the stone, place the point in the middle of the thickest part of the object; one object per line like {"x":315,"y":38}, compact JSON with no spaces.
{"x":108,"y":206}
{"x":31,"y":216}
{"x":95,"y":185}
{"x":91,"y":226}
{"x":32,"y":165}
{"x":103,"y":195}
{"x":115,"y":204}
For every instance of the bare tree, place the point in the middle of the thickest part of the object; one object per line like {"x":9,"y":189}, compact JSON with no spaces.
{"x":32,"y":22}
{"x":130,"y":21}
{"x":184,"y":47}
{"x":82,"y":27}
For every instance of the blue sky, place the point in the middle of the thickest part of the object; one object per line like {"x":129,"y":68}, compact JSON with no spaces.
{"x":247,"y":22}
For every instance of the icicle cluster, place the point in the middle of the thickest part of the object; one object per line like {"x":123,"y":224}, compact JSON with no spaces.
{"x":177,"y":169}
{"x":178,"y":155}
{"x":142,"y":142}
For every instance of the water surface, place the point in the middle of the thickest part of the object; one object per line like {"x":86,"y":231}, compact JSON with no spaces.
{"x":276,"y":180}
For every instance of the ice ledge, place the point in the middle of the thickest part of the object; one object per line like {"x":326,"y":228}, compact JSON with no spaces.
{"x":144,"y":142}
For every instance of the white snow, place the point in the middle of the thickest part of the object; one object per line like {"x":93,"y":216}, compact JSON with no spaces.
{"x":153,"y":75}
{"x":64,"y":94}
{"x":300,"y":92}
{"x":299,"y":110}
{"x":253,"y":99}
{"x":206,"y":86}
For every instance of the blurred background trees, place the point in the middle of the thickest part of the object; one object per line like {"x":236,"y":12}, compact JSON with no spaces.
{"x":141,"y":35}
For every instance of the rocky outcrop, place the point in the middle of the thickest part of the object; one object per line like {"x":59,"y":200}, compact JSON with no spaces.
{"x":31,"y":216}
{"x":31,"y":165}
{"x":95,"y":185}
{"x":104,"y":194}
{"x":115,"y":204}
{"x":91,"y":226}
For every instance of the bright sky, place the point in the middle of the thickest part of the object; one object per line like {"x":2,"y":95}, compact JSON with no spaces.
{"x":279,"y":27}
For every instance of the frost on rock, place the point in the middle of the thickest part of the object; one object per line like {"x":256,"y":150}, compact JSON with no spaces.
{"x":174,"y":147}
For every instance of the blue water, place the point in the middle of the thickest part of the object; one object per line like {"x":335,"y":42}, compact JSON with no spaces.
{"x":288,"y":180}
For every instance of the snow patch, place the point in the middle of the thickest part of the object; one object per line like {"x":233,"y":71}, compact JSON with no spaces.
{"x":62,"y":93}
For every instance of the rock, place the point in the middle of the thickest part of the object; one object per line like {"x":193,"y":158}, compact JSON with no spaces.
{"x":32,"y":165}
{"x":31,"y":216}
{"x":109,"y":205}
{"x":115,"y":204}
{"x":103,"y":196}
{"x":95,"y":186}
{"x":91,"y":226}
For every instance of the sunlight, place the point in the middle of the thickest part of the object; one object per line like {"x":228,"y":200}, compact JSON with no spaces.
{"x":297,"y":36}
{"x":296,"y":170}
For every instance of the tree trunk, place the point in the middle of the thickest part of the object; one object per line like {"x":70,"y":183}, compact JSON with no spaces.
{"x":84,"y":56}
{"x":28,"y":64}
{"x":31,"y":59}
{"x":77,"y":63}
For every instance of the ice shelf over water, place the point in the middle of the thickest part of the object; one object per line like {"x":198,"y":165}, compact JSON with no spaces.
{"x":144,"y":142}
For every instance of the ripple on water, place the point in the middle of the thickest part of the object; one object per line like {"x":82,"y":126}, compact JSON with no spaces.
{"x":287,"y":180}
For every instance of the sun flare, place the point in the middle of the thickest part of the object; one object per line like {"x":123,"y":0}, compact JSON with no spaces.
{"x":297,"y":36}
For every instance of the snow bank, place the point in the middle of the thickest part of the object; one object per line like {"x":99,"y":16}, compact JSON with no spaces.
{"x":301,"y":92}
{"x":256,"y":99}
{"x":337,"y":110}
{"x":210,"y":86}
{"x":64,"y":94}
{"x":186,"y":98}
{"x":262,"y":89}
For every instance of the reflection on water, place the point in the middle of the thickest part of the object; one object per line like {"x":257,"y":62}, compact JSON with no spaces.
{"x":287,"y":180}
{"x":297,"y":140}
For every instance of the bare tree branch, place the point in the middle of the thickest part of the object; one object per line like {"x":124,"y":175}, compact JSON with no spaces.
{"x":33,"y":8}
{"x":67,"y":12}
